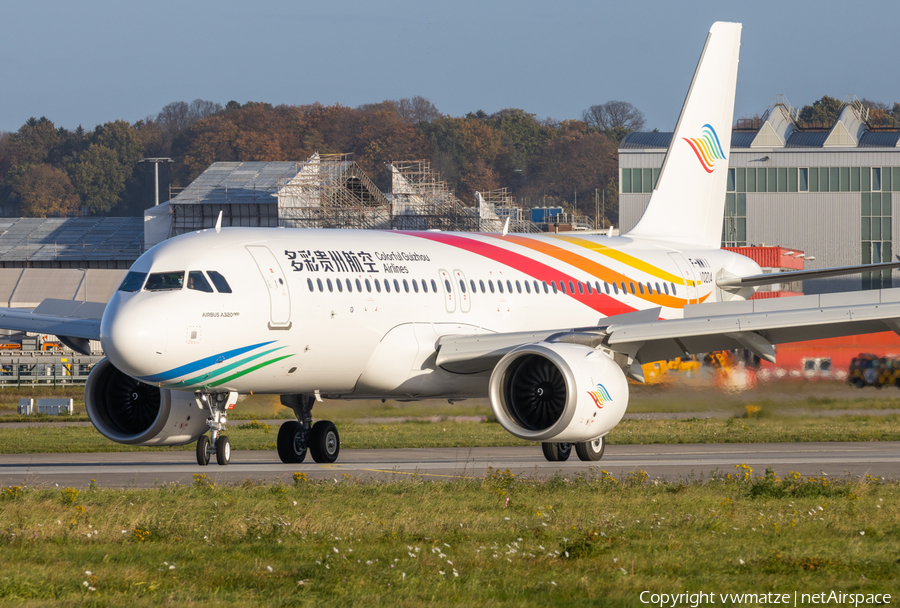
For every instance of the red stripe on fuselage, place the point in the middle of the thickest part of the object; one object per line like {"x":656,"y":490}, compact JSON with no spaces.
{"x":602,"y":303}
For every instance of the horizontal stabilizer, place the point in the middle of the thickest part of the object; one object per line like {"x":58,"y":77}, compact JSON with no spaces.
{"x":801,"y":275}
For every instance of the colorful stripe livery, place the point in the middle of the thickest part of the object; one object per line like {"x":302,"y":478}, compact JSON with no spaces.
{"x":205,"y":380}
{"x":602,"y":303}
{"x":600,"y":396}
{"x":707,"y":148}
{"x":608,"y":305}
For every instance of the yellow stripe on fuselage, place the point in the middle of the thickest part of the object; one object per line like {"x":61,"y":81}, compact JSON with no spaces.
{"x":593,"y":268}
{"x":629,"y":260}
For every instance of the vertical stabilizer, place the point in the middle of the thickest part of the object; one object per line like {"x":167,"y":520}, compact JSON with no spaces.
{"x":688,"y":203}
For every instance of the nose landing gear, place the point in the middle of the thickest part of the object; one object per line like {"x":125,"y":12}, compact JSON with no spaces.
{"x":217,"y":444}
{"x":295,"y":437}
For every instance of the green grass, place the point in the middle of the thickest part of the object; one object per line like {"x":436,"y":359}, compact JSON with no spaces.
{"x":260,"y":436}
{"x":498,"y":541}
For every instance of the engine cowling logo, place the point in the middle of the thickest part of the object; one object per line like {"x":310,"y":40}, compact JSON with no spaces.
{"x":600,"y":396}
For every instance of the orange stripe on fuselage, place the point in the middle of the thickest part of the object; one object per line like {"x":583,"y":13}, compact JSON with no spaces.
{"x":593,"y":268}
{"x":621,"y":256}
{"x":630,"y":260}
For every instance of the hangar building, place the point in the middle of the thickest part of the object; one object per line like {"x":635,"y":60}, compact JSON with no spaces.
{"x":833,"y":193}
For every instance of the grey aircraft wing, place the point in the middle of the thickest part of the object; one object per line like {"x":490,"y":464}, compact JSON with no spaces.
{"x":74,"y":323}
{"x":757,"y":325}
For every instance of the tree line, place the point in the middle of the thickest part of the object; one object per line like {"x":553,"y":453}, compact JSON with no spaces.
{"x":47,"y":170}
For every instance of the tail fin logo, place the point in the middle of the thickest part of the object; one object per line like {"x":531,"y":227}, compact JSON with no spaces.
{"x":600,"y":396}
{"x":707,"y":148}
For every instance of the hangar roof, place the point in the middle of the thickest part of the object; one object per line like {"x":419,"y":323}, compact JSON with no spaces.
{"x":879,"y":139}
{"x":75,"y":238}
{"x":231,"y":183}
{"x":780,"y":127}
{"x":644,"y":141}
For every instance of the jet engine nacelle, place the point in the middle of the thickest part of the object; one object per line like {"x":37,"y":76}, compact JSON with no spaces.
{"x":558,"y":392}
{"x":128,"y":411}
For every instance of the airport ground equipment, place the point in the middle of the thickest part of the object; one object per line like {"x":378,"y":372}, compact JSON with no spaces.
{"x":26,"y":407}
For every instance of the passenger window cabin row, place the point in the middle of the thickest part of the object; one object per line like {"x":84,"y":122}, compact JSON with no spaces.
{"x":489,"y":286}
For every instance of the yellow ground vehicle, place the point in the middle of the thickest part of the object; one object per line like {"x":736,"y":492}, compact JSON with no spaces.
{"x":658,"y":371}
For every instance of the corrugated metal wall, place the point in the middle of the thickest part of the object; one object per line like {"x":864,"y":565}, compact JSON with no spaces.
{"x":824,"y":225}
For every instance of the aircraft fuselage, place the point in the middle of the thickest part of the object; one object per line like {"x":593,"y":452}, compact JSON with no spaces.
{"x":356,"y":314}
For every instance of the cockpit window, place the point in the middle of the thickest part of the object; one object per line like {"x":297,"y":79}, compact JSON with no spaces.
{"x":198,"y":282}
{"x":133,"y":281}
{"x":160,"y":281}
{"x":219,"y":281}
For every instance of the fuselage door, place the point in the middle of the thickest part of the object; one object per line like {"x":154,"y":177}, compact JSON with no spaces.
{"x":465,"y":298}
{"x":686,"y":272}
{"x":446,"y":287}
{"x":279,"y":295}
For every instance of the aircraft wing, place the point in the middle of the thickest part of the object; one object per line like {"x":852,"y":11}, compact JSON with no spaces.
{"x":801,"y":275}
{"x":74,"y":323}
{"x":474,"y":353}
{"x":756,"y":325}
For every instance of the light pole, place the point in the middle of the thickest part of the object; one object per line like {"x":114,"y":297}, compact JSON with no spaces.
{"x":156,"y":162}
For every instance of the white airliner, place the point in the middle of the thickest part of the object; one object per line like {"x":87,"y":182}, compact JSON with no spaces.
{"x":548,"y":327}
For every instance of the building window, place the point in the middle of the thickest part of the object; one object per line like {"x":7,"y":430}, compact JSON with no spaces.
{"x":876,"y":179}
{"x":854,"y":179}
{"x":803,"y":182}
{"x":734,"y":226}
{"x":638,"y":181}
{"x":876,"y":237}
{"x":751,"y":180}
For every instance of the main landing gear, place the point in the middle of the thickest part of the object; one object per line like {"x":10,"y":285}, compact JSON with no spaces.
{"x":295,"y":437}
{"x":217,"y":444}
{"x":588,"y":451}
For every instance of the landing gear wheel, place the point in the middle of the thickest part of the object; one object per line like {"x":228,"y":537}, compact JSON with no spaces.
{"x":290,"y":444}
{"x":324,"y":442}
{"x":556,"y":452}
{"x":591,"y":450}
{"x":223,"y":450}
{"x":203,"y":451}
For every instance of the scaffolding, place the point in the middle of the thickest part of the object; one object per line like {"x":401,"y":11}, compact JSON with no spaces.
{"x":331,"y":191}
{"x":420,"y":200}
{"x":496,"y":206}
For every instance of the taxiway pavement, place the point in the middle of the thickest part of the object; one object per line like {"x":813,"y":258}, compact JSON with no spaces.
{"x":671,"y":462}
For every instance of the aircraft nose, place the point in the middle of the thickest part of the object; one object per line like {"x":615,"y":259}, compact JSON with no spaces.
{"x":133,"y":334}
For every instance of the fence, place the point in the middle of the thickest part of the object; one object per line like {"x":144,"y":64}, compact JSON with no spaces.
{"x":45,"y":370}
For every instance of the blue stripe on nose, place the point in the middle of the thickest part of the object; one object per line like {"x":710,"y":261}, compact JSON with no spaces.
{"x":201,"y":363}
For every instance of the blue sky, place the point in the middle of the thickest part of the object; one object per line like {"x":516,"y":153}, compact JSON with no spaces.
{"x":85,"y":63}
